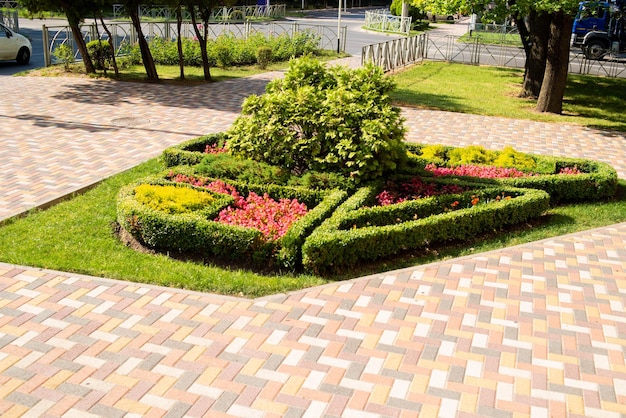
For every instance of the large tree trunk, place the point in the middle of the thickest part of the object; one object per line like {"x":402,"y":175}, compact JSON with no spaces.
{"x":146,"y":56}
{"x":536,"y":53}
{"x":74,"y":23}
{"x":555,"y":77}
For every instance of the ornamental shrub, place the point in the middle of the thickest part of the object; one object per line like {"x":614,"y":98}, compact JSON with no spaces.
{"x":172,"y":199}
{"x":226,"y":166}
{"x":434,"y":152}
{"x":100,"y":53}
{"x":470,"y":155}
{"x":323,"y":119}
{"x":64,"y":54}
{"x":264,"y":56}
{"x":509,"y":157}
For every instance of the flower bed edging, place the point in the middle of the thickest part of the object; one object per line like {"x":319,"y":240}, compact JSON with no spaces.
{"x":345,"y":239}
{"x":192,"y":152}
{"x":597,"y":181}
{"x":197,"y":233}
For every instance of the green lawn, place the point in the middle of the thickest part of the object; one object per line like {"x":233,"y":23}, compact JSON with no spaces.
{"x":595,"y":102}
{"x":77,"y":235}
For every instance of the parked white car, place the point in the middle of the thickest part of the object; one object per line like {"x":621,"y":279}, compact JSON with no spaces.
{"x":14,"y":46}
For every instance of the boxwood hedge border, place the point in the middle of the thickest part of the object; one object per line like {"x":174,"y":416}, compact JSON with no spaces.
{"x":334,"y":245}
{"x":196,"y":233}
{"x":598,"y":180}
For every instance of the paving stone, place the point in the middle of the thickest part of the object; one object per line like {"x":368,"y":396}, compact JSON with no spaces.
{"x":531,"y":330}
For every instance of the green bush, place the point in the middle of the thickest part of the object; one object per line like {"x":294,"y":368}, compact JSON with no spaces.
{"x":356,"y":233}
{"x":226,"y":166}
{"x":224,"y":50}
{"x":65,"y":55}
{"x":100,"y":53}
{"x":319,"y":119}
{"x":469,"y":155}
{"x":264,"y":56}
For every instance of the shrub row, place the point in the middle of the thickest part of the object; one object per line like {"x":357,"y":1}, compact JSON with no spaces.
{"x":192,"y":152}
{"x":198,"y":234}
{"x":357,"y":233}
{"x":597,"y":181}
{"x":226,"y":50}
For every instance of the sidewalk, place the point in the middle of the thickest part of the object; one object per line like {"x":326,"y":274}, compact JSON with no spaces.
{"x":535,"y":330}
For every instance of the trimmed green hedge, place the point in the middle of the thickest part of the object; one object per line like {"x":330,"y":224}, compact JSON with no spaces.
{"x":341,"y":230}
{"x":192,"y":152}
{"x":598,"y":180}
{"x":196,"y":233}
{"x":356,"y":232}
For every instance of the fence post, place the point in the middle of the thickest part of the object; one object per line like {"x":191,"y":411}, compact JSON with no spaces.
{"x":46,"y":47}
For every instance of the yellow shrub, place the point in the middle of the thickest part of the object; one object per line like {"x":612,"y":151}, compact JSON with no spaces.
{"x":432,"y":152}
{"x":508,"y":157}
{"x":172,"y":199}
{"x":470,"y":155}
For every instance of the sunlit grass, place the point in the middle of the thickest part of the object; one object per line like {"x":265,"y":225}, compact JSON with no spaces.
{"x":596,"y":102}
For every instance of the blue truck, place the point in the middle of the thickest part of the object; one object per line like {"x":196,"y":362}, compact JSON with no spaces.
{"x":599,"y":28}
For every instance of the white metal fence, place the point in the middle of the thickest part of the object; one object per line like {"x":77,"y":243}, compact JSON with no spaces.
{"x":218,"y":14}
{"x":381,"y":20}
{"x":395,"y":54}
{"x":9,"y":19}
{"x":123,"y":33}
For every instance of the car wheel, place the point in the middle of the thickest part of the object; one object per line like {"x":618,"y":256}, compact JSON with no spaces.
{"x":450,"y":18}
{"x":23,"y":56}
{"x":595,"y":50}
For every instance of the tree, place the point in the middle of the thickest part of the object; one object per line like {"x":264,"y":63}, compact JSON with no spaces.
{"x":557,"y":63}
{"x":132,"y":9}
{"x":535,"y":38}
{"x":545,"y":39}
{"x":202,"y":8}
{"x":75,"y":12}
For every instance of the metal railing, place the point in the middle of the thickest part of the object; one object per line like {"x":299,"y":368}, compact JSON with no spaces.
{"x":395,"y":54}
{"x":219,"y":14}
{"x":381,"y":20}
{"x":123,"y":33}
{"x":9,"y":18}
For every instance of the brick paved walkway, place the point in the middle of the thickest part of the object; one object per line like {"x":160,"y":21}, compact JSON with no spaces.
{"x":535,"y":330}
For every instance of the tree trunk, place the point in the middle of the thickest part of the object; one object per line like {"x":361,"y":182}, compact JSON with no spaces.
{"x":202,"y":41}
{"x":74,"y":23}
{"x":146,"y":56}
{"x":113,"y":60}
{"x":179,"y":41}
{"x":536,"y":54}
{"x":555,"y":77}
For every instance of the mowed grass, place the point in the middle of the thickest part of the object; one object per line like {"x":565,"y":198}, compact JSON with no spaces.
{"x":77,"y":235}
{"x":595,"y":102}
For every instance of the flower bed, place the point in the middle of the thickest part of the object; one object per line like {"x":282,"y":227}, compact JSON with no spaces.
{"x":260,"y":224}
{"x":565,"y":179}
{"x":299,"y":227}
{"x":359,"y":232}
{"x":272,"y":218}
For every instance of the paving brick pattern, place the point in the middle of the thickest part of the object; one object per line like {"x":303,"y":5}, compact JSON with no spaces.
{"x":536,"y":330}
